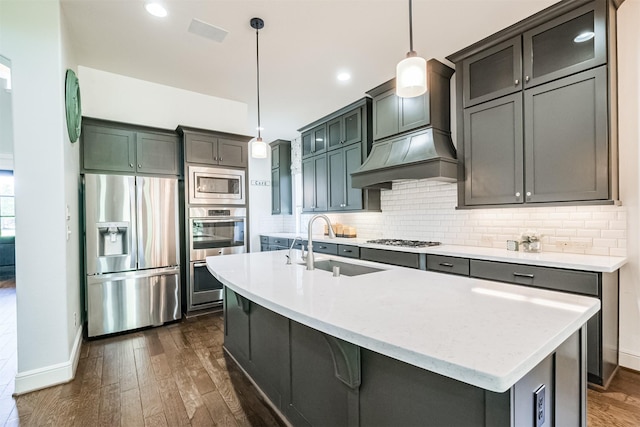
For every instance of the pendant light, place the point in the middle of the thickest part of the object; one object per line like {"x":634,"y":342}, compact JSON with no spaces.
{"x":411,"y":72}
{"x":258,"y":146}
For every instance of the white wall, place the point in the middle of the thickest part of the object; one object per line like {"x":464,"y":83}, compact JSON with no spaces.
{"x":30,"y":36}
{"x":629,"y":119}
{"x":6,"y":121}
{"x":125,"y":99}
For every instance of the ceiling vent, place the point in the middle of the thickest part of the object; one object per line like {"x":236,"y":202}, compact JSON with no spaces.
{"x":208,"y":31}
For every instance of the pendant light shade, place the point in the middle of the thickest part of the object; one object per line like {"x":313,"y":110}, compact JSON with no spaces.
{"x":411,"y":72}
{"x":258,"y":146}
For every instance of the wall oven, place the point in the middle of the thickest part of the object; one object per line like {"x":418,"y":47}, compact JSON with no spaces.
{"x":216,"y":186}
{"x":213,"y":231}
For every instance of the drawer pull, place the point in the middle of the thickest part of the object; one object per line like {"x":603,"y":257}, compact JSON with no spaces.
{"x":446,"y":264}
{"x":347,"y":251}
{"x":528,"y":276}
{"x":322,"y":247}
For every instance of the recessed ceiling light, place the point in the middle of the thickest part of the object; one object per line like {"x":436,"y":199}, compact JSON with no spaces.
{"x":156,"y":9}
{"x":343,"y":76}
{"x":583,"y":37}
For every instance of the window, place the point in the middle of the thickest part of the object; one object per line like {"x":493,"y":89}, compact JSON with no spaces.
{"x":7,"y":207}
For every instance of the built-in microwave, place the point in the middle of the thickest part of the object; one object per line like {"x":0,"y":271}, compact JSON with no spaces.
{"x":216,"y":186}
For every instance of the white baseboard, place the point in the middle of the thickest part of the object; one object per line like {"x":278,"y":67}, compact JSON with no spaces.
{"x":628,"y":360}
{"x":48,"y":376}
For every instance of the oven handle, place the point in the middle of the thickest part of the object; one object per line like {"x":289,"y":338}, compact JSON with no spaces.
{"x":199,"y":264}
{"x":219,"y":219}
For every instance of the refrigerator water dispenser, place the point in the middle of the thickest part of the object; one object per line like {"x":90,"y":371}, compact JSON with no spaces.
{"x":113,"y":238}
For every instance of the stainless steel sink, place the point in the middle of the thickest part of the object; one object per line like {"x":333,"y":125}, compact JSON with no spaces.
{"x":346,"y":268}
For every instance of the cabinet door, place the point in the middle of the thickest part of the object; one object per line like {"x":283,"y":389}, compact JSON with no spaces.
{"x":493,"y":152}
{"x":157,"y":154}
{"x":308,"y":185}
{"x":236,"y":324}
{"x":275,"y":191}
{"x":307,"y":144}
{"x":319,"y":139}
{"x":566,"y":155}
{"x":492,"y":73}
{"x":201,"y":149}
{"x":352,"y":161}
{"x":352,"y":125}
{"x":385,"y":115}
{"x":322,"y":185}
{"x":232,"y":153}
{"x":335,"y":171}
{"x":335,"y":137}
{"x":275,"y":157}
{"x":414,"y":112}
{"x":574,"y":42}
{"x":108,"y":149}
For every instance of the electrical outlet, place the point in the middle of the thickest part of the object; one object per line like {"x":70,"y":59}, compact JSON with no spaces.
{"x":538,"y":406}
{"x":582,"y":245}
{"x":564,"y":243}
{"x":486,"y":238}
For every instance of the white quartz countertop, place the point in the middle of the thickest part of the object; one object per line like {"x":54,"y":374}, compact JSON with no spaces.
{"x":597,"y":263}
{"x":483,"y":333}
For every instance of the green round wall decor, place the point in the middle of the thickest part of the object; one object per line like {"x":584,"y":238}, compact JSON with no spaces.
{"x":72,"y":105}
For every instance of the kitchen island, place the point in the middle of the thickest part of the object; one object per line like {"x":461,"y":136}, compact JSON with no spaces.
{"x":403,"y":346}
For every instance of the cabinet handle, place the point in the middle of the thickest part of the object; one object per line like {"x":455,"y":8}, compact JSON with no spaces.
{"x":517,"y":82}
{"x":322,"y":247}
{"x":347,"y":251}
{"x":130,"y":165}
{"x":528,"y":276}
{"x":446,"y":264}
{"x":139,"y":165}
{"x":219,"y":159}
{"x":518,"y":194}
{"x":526,"y":78}
{"x":528,"y":193}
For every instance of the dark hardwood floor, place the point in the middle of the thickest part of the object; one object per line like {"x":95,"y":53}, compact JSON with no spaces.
{"x":178,"y":375}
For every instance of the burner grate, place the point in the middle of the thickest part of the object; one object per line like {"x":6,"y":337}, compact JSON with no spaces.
{"x":405,"y":243}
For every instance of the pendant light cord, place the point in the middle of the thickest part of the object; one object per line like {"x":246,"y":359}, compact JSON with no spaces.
{"x":258,"y":79}
{"x":410,"y":27}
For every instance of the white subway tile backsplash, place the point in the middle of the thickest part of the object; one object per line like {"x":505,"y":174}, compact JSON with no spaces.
{"x":425,"y":210}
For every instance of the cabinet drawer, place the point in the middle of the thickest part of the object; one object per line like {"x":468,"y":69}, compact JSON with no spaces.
{"x":300,"y":245}
{"x":579,"y":282}
{"x":349,"y":251}
{"x":264,"y":239}
{"x":447,"y":264}
{"x":404,"y":259}
{"x":325,"y":248}
{"x":278,"y":241}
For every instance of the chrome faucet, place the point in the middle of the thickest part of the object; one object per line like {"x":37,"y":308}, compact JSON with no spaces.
{"x":310,"y":260}
{"x":304,"y":257}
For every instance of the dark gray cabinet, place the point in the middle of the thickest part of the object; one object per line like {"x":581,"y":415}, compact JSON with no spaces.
{"x":393,"y":115}
{"x":534,"y":110}
{"x":236,"y":324}
{"x":494,"y":152}
{"x":213,"y":150}
{"x":602,"y":329}
{"x":281,"y":196}
{"x":348,"y":142}
{"x":448,"y":264}
{"x":345,"y":129}
{"x":404,"y":259}
{"x":566,"y":142}
{"x":119,"y":147}
{"x":314,"y":141}
{"x":314,"y":184}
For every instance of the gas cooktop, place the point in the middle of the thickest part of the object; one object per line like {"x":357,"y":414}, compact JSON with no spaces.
{"x":406,"y":243}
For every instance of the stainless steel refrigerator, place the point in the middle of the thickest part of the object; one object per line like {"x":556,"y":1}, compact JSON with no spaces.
{"x":131,"y":252}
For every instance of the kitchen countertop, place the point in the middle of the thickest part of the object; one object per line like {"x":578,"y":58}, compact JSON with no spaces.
{"x":483,"y":333}
{"x":597,"y":263}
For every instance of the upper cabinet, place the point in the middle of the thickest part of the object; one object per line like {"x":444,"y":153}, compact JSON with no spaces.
{"x":118,"y":147}
{"x":214,"y":150}
{"x":332,"y":148}
{"x":393,"y":115}
{"x":535,"y":123}
{"x":281,"y":202}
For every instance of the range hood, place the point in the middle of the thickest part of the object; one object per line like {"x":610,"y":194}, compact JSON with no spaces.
{"x":426,"y":154}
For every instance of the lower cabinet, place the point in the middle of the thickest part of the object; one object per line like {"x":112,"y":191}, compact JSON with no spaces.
{"x":403,"y":259}
{"x":315,"y":379}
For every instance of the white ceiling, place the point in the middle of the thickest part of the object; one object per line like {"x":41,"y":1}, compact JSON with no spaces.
{"x":302,"y":47}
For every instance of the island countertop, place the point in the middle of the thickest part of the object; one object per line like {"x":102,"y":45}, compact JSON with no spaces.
{"x":480,"y":332}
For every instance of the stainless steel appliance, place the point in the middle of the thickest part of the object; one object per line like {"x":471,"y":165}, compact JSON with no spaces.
{"x":208,"y":185}
{"x":131,"y":252}
{"x":214,"y":230}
